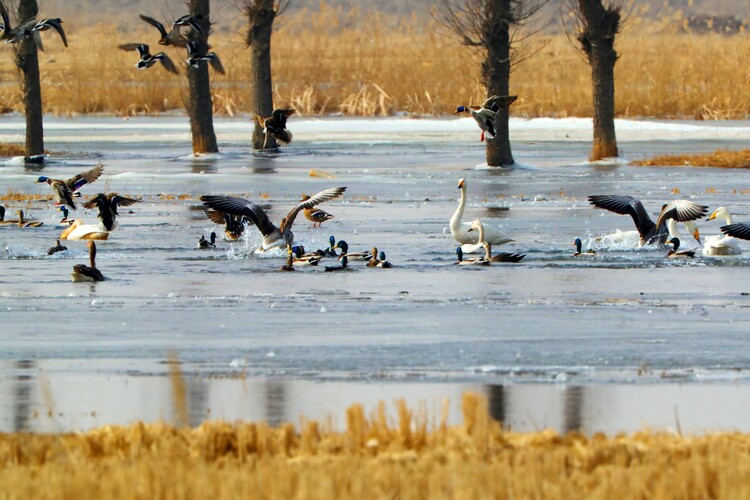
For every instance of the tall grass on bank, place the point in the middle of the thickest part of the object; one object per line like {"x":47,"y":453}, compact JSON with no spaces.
{"x":339,"y":60}
{"x":412,"y":457}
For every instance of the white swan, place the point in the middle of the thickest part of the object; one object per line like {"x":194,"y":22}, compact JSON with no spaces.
{"x":460,"y":230}
{"x":719,"y":244}
{"x":80,"y":231}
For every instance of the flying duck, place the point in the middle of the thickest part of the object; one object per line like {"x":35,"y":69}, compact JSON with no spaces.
{"x":650,"y":232}
{"x":147,"y":59}
{"x":194,"y":21}
{"x":486,"y":114}
{"x":174,"y":37}
{"x":64,"y":190}
{"x":90,"y":273}
{"x":107,"y":205}
{"x":273,"y":237}
{"x":51,"y":23}
{"x":198,"y":52}
{"x":276,"y":126}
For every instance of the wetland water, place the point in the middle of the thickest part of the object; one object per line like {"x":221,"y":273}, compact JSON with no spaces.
{"x":614,"y":342}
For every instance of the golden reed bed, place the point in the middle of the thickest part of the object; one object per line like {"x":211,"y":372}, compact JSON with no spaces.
{"x":412,"y":457}
{"x":348,"y":61}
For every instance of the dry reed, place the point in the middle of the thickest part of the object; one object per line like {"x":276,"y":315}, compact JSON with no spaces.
{"x":721,"y":158}
{"x":339,"y":60}
{"x":376,"y":457}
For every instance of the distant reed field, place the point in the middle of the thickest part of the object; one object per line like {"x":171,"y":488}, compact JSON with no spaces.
{"x":411,"y":456}
{"x":341,"y":61}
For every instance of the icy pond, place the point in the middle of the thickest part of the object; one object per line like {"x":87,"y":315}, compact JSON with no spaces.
{"x":615,"y":342}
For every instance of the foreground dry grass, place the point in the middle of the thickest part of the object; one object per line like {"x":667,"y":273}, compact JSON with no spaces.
{"x":372,"y":458}
{"x":344,"y":60}
{"x":720,"y":158}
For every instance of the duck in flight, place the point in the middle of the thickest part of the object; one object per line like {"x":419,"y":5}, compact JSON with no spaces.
{"x":486,"y":114}
{"x":234,"y":225}
{"x":147,"y":59}
{"x":173,"y":37}
{"x":273,"y":236}
{"x":276,"y":126}
{"x":64,"y":190}
{"x":198,"y":52}
{"x":107,"y":205}
{"x":650,"y":232}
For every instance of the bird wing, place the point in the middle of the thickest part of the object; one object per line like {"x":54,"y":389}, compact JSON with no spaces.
{"x":142,"y":48}
{"x":325,"y":195}
{"x":682,"y":211}
{"x":77,"y":182}
{"x":216,"y":64}
{"x":121,"y":201}
{"x":57,"y":25}
{"x":241,"y":206}
{"x":626,"y":205}
{"x":167,"y":63}
{"x":6,"y":19}
{"x":97,"y":201}
{"x":156,"y":24}
{"x":37,"y":36}
{"x":215,"y":216}
{"x":497,"y":102}
{"x":65,"y":194}
{"x":281,"y":115}
{"x":740,"y":230}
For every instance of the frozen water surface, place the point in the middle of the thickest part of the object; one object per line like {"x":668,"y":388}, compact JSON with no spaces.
{"x":557,"y":339}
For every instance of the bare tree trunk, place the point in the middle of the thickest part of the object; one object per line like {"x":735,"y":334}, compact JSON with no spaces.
{"x":600,"y":26}
{"x":27,"y":62}
{"x":496,"y":75}
{"x":199,"y":102}
{"x":260,"y":15}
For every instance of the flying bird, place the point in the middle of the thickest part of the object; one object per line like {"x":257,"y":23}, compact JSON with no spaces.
{"x":234,"y":225}
{"x":107,"y":205}
{"x":147,"y":59}
{"x":51,"y":23}
{"x":173,"y":37}
{"x":198,"y":52}
{"x":273,"y":237}
{"x":64,"y":190}
{"x":276,"y":125}
{"x":486,"y":114}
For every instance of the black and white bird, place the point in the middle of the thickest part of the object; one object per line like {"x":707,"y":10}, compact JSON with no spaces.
{"x":148,"y":59}
{"x":107,"y":205}
{"x":198,"y":51}
{"x":273,"y":237}
{"x":51,"y":23}
{"x":650,"y":232}
{"x":194,"y":21}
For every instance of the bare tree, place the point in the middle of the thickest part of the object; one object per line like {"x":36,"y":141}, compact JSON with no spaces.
{"x":260,"y":16}
{"x":597,"y":23}
{"x":27,"y":62}
{"x":199,"y":103}
{"x":492,"y":27}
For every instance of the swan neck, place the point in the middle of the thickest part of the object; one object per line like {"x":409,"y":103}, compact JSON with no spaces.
{"x":481,"y":233}
{"x":456,"y":219}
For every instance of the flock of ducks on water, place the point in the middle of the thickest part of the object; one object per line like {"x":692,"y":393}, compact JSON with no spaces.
{"x":234,"y":213}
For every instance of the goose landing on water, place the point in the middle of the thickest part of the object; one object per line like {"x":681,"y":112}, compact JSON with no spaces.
{"x":460,"y":230}
{"x":650,"y":232}
{"x":273,"y":237}
{"x":486,"y":114}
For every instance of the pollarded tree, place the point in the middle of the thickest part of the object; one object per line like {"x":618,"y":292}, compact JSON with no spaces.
{"x":199,"y":103}
{"x":260,"y":16}
{"x":27,"y":62}
{"x":492,"y":27}
{"x":597,"y":23}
